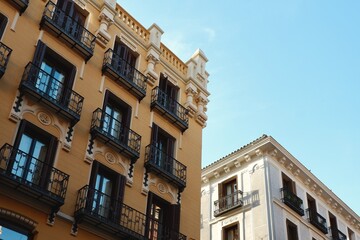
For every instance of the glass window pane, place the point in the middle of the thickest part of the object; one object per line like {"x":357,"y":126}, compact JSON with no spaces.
{"x":6,"y":233}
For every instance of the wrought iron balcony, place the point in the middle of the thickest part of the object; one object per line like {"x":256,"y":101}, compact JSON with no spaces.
{"x":71,"y":31}
{"x":336,"y":234}
{"x":317,"y":220}
{"x":21,"y":5}
{"x":170,"y":108}
{"x":53,"y":93}
{"x":292,"y":201}
{"x":5,"y":53}
{"x":159,"y":231}
{"x":112,"y":132}
{"x":166,"y":166}
{"x":108,"y":215}
{"x":228,"y":202}
{"x":30,"y":176}
{"x":126,"y":75}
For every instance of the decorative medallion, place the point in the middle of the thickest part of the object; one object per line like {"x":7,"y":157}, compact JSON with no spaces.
{"x":44,"y":118}
{"x":161,"y":187}
{"x":110,"y":157}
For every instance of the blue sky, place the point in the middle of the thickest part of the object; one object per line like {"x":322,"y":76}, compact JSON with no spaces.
{"x":289,"y":69}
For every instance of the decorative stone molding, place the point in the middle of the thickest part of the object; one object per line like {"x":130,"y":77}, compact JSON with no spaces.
{"x":247,"y":158}
{"x":320,"y":192}
{"x":313,"y":188}
{"x":237,"y":163}
{"x":190,"y":91}
{"x":152,"y":58}
{"x":162,"y":189}
{"x":290,"y":166}
{"x":201,"y":116}
{"x":80,"y":3}
{"x":102,"y":35}
{"x":227,"y":169}
{"x":282,"y":160}
{"x":205,"y":180}
{"x":216,"y":174}
{"x":307,"y":182}
{"x":274,"y":153}
{"x":110,"y":158}
{"x":44,"y":118}
{"x":297,"y":172}
{"x":258,"y":152}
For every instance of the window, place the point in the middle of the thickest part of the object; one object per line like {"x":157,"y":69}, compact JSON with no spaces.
{"x":164,"y":145}
{"x":168,"y":94}
{"x":69,"y":17}
{"x":3,"y":22}
{"x":163,"y":220}
{"x":124,"y":59}
{"x":12,"y":231}
{"x":351,"y":234}
{"x":107,"y":191}
{"x":55,"y":75}
{"x":228,"y":194}
{"x":116,"y":119}
{"x":311,"y":203}
{"x":34,"y":148}
{"x":231,"y":233}
{"x":292,"y":231}
{"x":288,"y":184}
{"x":333,"y":226}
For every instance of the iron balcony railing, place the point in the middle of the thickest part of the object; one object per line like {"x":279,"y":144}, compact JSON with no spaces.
{"x":124,"y":73}
{"x":45,"y":87}
{"x":115,"y":133}
{"x":317,"y":220}
{"x":68,"y":29}
{"x":159,"y":231}
{"x":293,"y":201}
{"x":228,"y":203}
{"x":158,"y":161}
{"x":21,"y":5}
{"x":169,"y":107}
{"x":36,"y":177}
{"x":336,"y":234}
{"x":5,"y":53}
{"x":109,"y":214}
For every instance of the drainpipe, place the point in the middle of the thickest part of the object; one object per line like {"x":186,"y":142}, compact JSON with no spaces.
{"x":270,"y":215}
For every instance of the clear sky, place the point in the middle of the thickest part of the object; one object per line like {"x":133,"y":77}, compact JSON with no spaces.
{"x":285,"y":68}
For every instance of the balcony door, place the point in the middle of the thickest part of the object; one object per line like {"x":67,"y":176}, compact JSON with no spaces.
{"x":163,"y":144}
{"x":53,"y":75}
{"x":124,"y":60}
{"x":69,"y":18}
{"x":230,"y":191}
{"x":116,"y":118}
{"x":106,"y":192}
{"x":168,"y":95}
{"x":34,"y":150}
{"x":163,"y":218}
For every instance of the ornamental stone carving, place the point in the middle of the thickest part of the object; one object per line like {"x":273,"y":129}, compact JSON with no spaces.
{"x":110,"y":158}
{"x":44,"y":118}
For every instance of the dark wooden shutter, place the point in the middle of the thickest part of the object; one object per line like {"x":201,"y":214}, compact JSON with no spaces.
{"x":3,"y":22}
{"x":39,"y":53}
{"x":154,"y":134}
{"x":175,"y":217}
{"x":94,"y":172}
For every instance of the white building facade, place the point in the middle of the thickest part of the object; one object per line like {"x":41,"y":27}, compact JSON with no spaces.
{"x":261,"y":191}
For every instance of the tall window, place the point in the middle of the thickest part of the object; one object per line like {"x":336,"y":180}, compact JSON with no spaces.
{"x":124,"y":60}
{"x":164,"y":145}
{"x":34,"y":148}
{"x":116,"y":119}
{"x":228,"y":196}
{"x":3,"y":22}
{"x":107,"y":191}
{"x":288,"y":184}
{"x":333,"y":226}
{"x":292,"y":232}
{"x":168,"y":95}
{"x":231,"y":233}
{"x":351,"y":234}
{"x":70,"y":18}
{"x":55,"y":74}
{"x":163,"y":218}
{"x":311,"y":204}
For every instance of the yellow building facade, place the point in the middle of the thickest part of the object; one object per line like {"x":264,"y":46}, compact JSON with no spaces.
{"x":101,"y":125}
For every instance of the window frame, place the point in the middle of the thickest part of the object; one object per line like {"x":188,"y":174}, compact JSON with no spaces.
{"x":232,"y":227}
{"x":3,"y":22}
{"x":28,"y":127}
{"x":290,"y":226}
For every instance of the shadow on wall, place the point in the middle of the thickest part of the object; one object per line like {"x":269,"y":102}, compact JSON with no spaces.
{"x":250,"y":200}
